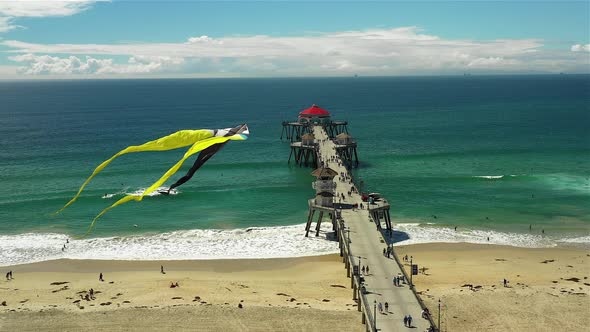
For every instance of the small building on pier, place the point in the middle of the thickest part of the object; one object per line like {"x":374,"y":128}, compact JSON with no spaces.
{"x":325,"y":189}
{"x":314,"y":115}
{"x":307,"y":139}
{"x":304,"y":144}
{"x":343,"y":139}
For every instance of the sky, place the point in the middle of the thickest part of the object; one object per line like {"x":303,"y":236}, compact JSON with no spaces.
{"x":152,"y":39}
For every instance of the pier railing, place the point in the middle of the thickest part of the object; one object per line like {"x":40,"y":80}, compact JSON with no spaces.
{"x":368,"y":315}
{"x":406,"y":277}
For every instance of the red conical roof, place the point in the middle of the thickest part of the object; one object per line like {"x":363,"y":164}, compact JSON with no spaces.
{"x":314,"y":111}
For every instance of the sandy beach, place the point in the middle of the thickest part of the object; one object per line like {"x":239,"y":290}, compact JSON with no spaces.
{"x":548,"y":291}
{"x":294,"y":294}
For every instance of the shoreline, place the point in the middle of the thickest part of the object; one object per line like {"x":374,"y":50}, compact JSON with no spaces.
{"x":247,"y":243}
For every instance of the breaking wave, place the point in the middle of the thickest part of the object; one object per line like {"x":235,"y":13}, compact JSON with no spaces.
{"x":414,"y":233}
{"x":140,"y":191}
{"x":253,"y":242}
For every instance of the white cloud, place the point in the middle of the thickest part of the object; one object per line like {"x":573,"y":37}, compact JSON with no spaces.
{"x":203,"y":40}
{"x":10,"y":10}
{"x":45,"y":64}
{"x":6,"y":24}
{"x":490,"y":62}
{"x":580,"y":48}
{"x":398,"y":51}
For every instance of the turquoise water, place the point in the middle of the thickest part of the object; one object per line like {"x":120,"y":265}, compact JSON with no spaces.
{"x":426,"y":143}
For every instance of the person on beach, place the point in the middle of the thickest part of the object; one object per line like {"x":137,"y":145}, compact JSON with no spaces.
{"x":362,"y":269}
{"x":380,"y":306}
{"x":384,"y":252}
{"x":405,"y":320}
{"x":91,"y":293}
{"x":505,"y":283}
{"x":100,"y":277}
{"x":386,"y":307}
{"x":409,"y":320}
{"x":7,"y":275}
{"x":162,"y":269}
{"x":367,"y":269}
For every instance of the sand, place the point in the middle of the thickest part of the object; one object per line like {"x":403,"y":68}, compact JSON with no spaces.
{"x":295,"y":294}
{"x":548,"y":288}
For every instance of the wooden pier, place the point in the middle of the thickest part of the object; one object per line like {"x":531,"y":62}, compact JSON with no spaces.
{"x":363,"y":229}
{"x":362,"y":236}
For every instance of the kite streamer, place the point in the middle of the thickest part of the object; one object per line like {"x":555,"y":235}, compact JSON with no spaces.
{"x":206,"y":141}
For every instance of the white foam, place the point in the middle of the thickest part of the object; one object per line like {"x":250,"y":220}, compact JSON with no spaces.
{"x":576,"y":240}
{"x":412,"y":233}
{"x":253,"y":242}
{"x":140,"y":191}
{"x":489,"y":177}
{"x":156,"y":192}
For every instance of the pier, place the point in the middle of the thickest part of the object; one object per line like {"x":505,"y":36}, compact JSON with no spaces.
{"x":364,"y":230}
{"x":302,"y":140}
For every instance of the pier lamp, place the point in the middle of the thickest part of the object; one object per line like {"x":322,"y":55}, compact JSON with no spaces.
{"x":438,"y":325}
{"x":375,"y":315}
{"x":411,"y":271}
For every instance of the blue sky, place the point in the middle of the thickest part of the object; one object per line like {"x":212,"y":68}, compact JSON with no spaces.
{"x":152,"y":38}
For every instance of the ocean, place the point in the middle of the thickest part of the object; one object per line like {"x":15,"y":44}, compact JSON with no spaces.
{"x":504,"y":157}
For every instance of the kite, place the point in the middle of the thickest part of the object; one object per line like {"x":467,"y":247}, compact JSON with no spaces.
{"x":206,"y":141}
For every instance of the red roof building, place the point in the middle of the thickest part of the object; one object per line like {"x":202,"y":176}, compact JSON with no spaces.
{"x":314,"y":112}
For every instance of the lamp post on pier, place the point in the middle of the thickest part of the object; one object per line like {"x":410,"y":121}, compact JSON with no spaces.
{"x":374,"y":315}
{"x":411,"y":271}
{"x":438,"y":324}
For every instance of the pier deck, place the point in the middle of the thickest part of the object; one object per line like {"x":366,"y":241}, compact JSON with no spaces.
{"x":367,"y":242}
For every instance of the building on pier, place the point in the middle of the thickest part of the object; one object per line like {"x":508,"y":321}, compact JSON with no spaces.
{"x":308,"y":139}
{"x":303,"y":143}
{"x":315,"y":115}
{"x":346,"y":149}
{"x":323,"y":202}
